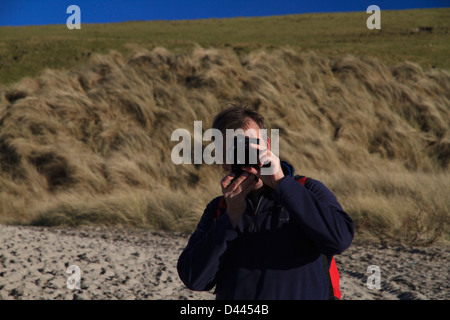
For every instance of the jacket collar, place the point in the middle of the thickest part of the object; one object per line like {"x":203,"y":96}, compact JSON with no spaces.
{"x":288,"y":170}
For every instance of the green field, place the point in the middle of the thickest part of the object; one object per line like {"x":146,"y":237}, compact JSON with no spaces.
{"x":404,"y":35}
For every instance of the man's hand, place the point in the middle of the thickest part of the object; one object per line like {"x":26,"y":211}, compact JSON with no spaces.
{"x":234,"y":194}
{"x":274,"y":174}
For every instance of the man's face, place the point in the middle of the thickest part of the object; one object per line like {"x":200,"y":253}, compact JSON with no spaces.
{"x":251,"y":130}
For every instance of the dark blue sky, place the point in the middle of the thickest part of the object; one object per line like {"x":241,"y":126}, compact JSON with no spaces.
{"x":39,"y":12}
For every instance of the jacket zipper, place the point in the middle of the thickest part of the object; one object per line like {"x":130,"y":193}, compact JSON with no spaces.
{"x":255,"y":214}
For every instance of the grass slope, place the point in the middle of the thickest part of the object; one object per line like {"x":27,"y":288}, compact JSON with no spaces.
{"x":91,"y":145}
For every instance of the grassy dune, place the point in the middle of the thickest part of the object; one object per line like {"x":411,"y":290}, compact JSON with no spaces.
{"x":90,"y":143}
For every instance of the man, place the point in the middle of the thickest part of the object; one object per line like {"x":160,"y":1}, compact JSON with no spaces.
{"x":270,"y":240}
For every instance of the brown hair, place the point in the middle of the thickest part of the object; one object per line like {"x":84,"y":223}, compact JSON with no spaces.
{"x":237,"y":117}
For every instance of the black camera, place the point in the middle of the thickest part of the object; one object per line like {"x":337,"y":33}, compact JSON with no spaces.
{"x":243,"y":155}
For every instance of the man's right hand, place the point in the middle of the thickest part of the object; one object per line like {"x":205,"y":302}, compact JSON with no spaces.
{"x":235,"y":193}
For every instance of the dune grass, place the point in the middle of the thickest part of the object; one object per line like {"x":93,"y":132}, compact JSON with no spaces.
{"x":91,"y":144}
{"x":85,"y":131}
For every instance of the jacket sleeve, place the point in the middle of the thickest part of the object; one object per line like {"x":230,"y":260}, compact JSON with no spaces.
{"x":200,"y":261}
{"x":318,"y":214}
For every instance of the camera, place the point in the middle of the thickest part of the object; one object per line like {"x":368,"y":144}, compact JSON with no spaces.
{"x":242,"y":155}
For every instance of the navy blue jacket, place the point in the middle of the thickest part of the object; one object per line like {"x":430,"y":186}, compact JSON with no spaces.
{"x":275,"y":250}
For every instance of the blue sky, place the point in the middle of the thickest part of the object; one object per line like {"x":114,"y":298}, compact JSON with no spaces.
{"x":41,"y":12}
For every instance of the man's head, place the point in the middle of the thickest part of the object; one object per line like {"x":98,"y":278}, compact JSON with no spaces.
{"x":238,"y":117}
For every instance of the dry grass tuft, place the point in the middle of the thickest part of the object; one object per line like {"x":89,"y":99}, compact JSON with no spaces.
{"x":91,"y":145}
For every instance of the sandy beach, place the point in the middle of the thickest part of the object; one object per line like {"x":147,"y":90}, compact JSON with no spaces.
{"x":118,"y":263}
